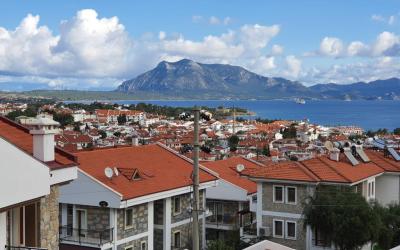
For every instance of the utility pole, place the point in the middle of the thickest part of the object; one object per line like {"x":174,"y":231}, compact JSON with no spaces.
{"x":196,"y":196}
{"x":234,"y":121}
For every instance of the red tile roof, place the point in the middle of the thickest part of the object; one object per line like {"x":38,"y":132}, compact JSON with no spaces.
{"x":163,"y":169}
{"x":20,"y":137}
{"x":227,"y":171}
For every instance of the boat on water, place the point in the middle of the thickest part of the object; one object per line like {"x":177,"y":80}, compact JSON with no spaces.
{"x":300,"y":101}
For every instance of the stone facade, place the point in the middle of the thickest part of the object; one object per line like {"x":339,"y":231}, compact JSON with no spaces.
{"x":295,"y":211}
{"x":97,"y":218}
{"x":135,"y":244}
{"x":299,"y":243}
{"x":186,"y":202}
{"x":186,"y":235}
{"x":49,"y":223}
{"x":139,"y":221}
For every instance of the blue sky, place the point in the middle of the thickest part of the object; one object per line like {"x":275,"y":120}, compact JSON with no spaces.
{"x":309,"y":41}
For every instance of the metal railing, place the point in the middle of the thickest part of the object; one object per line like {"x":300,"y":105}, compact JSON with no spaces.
{"x":23,"y":248}
{"x":85,"y":236}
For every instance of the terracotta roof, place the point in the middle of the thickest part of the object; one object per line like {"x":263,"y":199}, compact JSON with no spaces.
{"x":20,"y":137}
{"x":165,"y":170}
{"x":227,"y":171}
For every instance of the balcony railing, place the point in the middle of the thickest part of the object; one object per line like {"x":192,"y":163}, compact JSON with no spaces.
{"x":23,"y":248}
{"x":85,"y":236}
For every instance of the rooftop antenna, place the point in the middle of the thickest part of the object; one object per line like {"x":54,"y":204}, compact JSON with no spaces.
{"x":108,"y":172}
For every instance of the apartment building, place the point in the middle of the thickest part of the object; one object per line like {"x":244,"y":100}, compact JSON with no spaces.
{"x":232,"y":204}
{"x":111,"y":116}
{"x":32,"y":171}
{"x":283,"y":187}
{"x":136,"y":197}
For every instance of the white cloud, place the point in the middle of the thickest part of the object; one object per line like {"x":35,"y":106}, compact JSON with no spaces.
{"x":331,"y":46}
{"x":387,"y":20}
{"x":377,"y":18}
{"x":214,"y":20}
{"x":387,"y":43}
{"x":276,"y":49}
{"x":227,"y":20}
{"x":258,"y":36}
{"x":391,"y":20}
{"x":293,"y":66}
{"x":197,"y":18}
{"x":357,"y":48}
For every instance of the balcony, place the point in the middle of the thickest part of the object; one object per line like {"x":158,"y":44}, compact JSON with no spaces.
{"x":23,"y":248}
{"x":77,"y":236}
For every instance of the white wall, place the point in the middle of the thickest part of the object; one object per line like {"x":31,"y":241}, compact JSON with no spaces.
{"x":86,"y":191}
{"x":226,"y":191}
{"x":3,"y":230}
{"x":387,"y":189}
{"x":23,"y":177}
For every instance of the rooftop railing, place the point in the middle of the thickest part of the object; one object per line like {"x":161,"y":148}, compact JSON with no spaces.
{"x":23,"y":248}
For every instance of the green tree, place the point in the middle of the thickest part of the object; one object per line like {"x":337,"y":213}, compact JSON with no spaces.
{"x":290,"y":132}
{"x":218,"y":245}
{"x":103,"y":134}
{"x":266,"y":151}
{"x":389,"y":232}
{"x":233,"y":142}
{"x":342,"y":215}
{"x":63,"y":118}
{"x":396,"y":131}
{"x":122,"y":119}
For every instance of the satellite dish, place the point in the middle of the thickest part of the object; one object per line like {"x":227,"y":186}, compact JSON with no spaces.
{"x":329,"y":145}
{"x":116,"y":171}
{"x":240,"y":168}
{"x":108,"y":172}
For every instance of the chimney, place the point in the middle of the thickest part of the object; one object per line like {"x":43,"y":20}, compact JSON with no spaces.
{"x":135,"y":141}
{"x":334,"y":154}
{"x":43,"y":131}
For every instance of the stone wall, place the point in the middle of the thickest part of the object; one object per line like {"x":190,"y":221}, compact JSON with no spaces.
{"x":186,"y":235}
{"x":269,"y":205}
{"x":49,"y":224}
{"x":135,"y":244}
{"x":299,"y":243}
{"x":139,"y":221}
{"x":97,"y":218}
{"x":186,"y":203}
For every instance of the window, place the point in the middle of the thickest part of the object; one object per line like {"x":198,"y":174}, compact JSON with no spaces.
{"x":254,"y":198}
{"x":177,"y":205}
{"x":278,"y":194}
{"x":320,"y":239}
{"x":143,"y":245}
{"x":291,"y":230}
{"x":129,"y":248}
{"x":128,"y":218}
{"x":278,"y":228}
{"x":177,"y":239}
{"x":291,"y":195}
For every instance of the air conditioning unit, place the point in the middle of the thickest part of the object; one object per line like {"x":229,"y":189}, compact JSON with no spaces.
{"x":265,"y":231}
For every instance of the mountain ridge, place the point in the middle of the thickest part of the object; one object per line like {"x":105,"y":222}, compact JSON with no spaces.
{"x":190,"y":79}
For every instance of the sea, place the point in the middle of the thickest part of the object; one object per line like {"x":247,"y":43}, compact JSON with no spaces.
{"x":370,"y":115}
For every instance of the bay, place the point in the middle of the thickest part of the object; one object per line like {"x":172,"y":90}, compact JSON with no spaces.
{"x":370,"y":115}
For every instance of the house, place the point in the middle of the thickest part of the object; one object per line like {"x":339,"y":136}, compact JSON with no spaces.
{"x":110,"y":115}
{"x":33,"y":171}
{"x":143,"y":203}
{"x":283,"y":187}
{"x":231,"y":202}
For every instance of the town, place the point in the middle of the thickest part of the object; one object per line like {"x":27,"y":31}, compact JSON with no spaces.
{"x":109,"y":176}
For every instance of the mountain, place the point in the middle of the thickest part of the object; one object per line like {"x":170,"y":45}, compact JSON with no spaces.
{"x":189,"y":79}
{"x":388,"y":89}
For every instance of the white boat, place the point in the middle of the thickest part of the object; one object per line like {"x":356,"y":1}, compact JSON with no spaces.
{"x":300,"y":101}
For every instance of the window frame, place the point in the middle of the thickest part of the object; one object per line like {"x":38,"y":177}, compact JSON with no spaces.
{"x":287,"y":231}
{"x":180,"y":205}
{"x":125,"y":218}
{"x":273,"y":228}
{"x":287,"y":195}
{"x":145,"y":245}
{"x":274,"y":196}
{"x":180,"y":238}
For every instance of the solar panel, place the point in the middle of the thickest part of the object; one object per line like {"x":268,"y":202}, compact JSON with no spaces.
{"x":378,"y":145}
{"x":351,"y":158}
{"x":362,"y":154}
{"x":394,"y":153}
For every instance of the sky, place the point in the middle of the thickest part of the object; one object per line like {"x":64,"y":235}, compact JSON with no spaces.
{"x":98,"y":44}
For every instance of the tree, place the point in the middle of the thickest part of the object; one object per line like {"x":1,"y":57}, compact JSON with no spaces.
{"x":342,"y":215}
{"x":389,"y":231}
{"x":289,"y":133}
{"x":233,"y":141}
{"x":63,"y":118}
{"x":266,"y":151}
{"x":396,"y":131}
{"x":218,"y":245}
{"x":122,"y":119}
{"x":77,"y":126}
{"x":117,"y":134}
{"x":103,"y":134}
